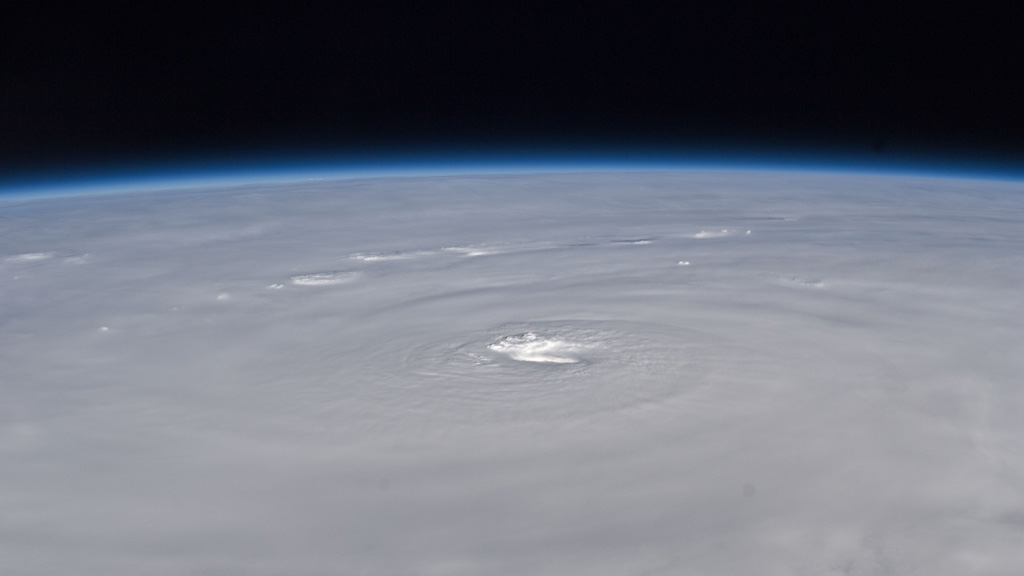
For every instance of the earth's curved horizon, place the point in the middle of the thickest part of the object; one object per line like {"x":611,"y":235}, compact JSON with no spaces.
{"x":663,"y":372}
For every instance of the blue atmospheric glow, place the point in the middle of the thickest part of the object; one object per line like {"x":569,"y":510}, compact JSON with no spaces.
{"x":227,"y":172}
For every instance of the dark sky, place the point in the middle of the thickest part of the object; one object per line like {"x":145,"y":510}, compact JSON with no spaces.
{"x":139,"y":83}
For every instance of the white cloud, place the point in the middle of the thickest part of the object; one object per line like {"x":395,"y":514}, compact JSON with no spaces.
{"x":834,"y":397}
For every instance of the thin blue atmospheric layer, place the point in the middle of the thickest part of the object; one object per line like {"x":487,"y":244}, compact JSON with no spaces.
{"x":237,"y":171}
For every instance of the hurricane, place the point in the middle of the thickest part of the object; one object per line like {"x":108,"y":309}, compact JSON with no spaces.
{"x":606,"y":372}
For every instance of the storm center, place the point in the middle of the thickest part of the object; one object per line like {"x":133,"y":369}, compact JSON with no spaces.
{"x":532,"y":347}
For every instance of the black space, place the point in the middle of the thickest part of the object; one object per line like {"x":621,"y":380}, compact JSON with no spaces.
{"x":135,"y":83}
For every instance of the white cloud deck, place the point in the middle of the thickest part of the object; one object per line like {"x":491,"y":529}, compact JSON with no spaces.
{"x":663,"y":373}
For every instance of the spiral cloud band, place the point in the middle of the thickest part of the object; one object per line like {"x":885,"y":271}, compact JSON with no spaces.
{"x":618,"y":373}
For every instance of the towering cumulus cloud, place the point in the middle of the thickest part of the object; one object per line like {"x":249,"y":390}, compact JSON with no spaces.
{"x":571,"y":374}
{"x":531,"y":347}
